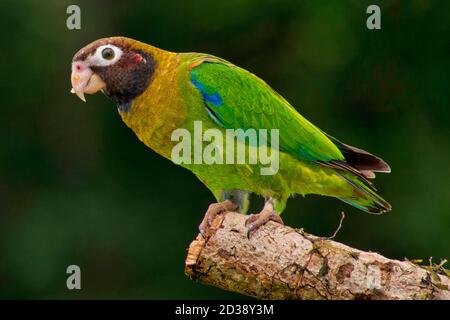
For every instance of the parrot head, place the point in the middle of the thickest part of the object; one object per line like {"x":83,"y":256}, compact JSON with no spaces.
{"x":120,"y":67}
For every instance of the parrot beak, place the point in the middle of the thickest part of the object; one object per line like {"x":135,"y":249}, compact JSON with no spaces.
{"x":84,"y":80}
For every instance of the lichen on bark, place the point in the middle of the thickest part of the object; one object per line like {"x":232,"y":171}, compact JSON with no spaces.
{"x":280,"y":262}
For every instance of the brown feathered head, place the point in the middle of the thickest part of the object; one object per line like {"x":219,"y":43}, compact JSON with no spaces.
{"x":115,"y":66}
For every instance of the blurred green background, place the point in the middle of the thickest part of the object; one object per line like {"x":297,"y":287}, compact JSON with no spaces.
{"x":77,"y":187}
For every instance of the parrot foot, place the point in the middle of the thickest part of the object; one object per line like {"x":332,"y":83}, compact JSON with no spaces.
{"x":213,"y":210}
{"x":255,"y":221}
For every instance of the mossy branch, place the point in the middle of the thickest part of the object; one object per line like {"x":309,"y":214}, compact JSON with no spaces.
{"x":280,"y":262}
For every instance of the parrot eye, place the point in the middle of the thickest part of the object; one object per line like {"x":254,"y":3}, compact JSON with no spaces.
{"x":108,"y":54}
{"x":105,"y":55}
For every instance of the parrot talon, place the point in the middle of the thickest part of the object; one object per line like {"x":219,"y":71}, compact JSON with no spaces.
{"x":214,"y":209}
{"x":255,"y":221}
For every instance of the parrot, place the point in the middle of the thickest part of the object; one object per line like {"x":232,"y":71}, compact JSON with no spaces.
{"x":158,"y":91}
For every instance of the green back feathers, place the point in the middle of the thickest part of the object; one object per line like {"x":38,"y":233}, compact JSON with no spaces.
{"x":235,"y":99}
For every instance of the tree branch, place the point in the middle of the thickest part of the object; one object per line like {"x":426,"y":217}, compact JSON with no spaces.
{"x":280,"y":262}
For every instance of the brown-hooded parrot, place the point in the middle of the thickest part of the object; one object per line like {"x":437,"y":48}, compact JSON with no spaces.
{"x":157,"y":92}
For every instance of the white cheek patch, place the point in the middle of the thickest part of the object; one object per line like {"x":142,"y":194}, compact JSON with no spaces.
{"x":96,"y":59}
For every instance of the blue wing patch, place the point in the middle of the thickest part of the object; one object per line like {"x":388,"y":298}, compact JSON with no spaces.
{"x":208,"y":94}
{"x":215,"y":99}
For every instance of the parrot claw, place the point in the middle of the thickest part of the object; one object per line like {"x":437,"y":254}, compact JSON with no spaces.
{"x":213,"y":210}
{"x":255,"y":221}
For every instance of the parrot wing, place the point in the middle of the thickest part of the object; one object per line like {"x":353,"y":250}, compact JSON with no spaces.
{"x":237,"y":99}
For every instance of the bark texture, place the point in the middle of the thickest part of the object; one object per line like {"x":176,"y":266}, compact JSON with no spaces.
{"x":280,"y":262}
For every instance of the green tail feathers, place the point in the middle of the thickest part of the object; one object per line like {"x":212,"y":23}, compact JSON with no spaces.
{"x":365,"y":198}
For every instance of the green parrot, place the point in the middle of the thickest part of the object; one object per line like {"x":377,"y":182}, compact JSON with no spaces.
{"x":158,"y":92}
